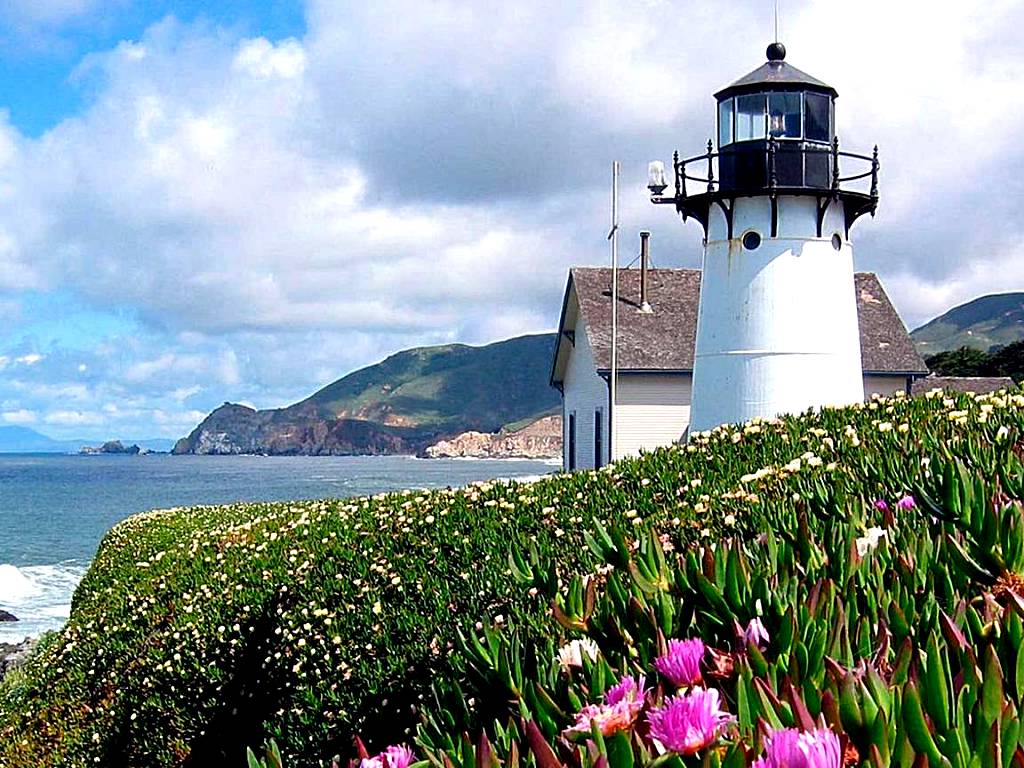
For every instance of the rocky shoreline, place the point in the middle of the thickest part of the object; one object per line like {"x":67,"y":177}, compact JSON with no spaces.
{"x":13,"y":655}
{"x":542,"y":439}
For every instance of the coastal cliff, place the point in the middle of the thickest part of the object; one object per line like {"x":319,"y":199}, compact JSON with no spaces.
{"x":541,"y":439}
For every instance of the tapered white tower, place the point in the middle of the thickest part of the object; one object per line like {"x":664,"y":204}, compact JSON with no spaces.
{"x":777,"y":324}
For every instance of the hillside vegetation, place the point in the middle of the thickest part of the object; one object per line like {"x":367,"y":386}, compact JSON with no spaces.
{"x":399,"y":405}
{"x":198,"y":632}
{"x":983,"y":323}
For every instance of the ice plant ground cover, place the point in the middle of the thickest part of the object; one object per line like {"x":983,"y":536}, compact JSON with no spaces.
{"x":815,"y":652}
{"x":199,"y":632}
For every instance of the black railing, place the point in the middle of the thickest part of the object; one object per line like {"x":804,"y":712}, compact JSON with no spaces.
{"x":756,"y":167}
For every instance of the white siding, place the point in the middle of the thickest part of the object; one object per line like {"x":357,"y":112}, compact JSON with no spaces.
{"x":584,"y":393}
{"x":653,"y":410}
{"x":884,"y":385}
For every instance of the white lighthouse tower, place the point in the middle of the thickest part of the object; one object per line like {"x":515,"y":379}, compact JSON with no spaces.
{"x":777,"y":324}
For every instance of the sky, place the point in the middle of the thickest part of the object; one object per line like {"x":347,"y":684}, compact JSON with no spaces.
{"x":244,"y":200}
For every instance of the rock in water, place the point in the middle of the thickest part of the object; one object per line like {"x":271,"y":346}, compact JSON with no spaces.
{"x":5,"y":616}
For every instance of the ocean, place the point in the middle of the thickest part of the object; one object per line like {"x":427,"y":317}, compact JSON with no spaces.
{"x":54,"y":509}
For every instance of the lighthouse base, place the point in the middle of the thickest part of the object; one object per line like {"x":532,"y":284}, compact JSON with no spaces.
{"x":777,"y":328}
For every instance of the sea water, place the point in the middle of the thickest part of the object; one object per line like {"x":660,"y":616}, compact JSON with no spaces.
{"x":55,"y":509}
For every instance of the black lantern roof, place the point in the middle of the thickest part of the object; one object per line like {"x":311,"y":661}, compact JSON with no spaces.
{"x":776,"y":75}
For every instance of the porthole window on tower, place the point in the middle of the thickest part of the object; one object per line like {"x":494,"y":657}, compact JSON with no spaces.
{"x":837,"y":241}
{"x":751,"y":240}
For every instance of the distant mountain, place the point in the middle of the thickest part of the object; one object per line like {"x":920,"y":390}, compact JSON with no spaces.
{"x":985,"y":322}
{"x":399,"y":405}
{"x":25,"y":440}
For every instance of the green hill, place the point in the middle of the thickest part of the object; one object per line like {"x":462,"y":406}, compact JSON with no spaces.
{"x":396,"y":406}
{"x":985,"y":322}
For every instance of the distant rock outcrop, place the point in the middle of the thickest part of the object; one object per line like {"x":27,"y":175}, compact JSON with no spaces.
{"x":5,"y":616}
{"x":113,"y":447}
{"x":540,"y":440}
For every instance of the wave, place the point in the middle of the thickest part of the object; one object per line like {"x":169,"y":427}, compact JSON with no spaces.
{"x":38,"y":595}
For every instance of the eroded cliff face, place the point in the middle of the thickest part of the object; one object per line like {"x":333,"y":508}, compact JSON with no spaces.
{"x":235,"y":429}
{"x":540,"y":440}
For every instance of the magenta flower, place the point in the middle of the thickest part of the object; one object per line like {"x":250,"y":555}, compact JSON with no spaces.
{"x":756,"y":633}
{"x":689,"y":722}
{"x":681,"y":665}
{"x":399,"y":756}
{"x":392,"y":757}
{"x":907,"y":502}
{"x":880,"y":505}
{"x":619,"y":711}
{"x":791,"y":748}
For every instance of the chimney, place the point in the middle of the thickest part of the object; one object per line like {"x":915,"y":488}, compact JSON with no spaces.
{"x":645,"y":248}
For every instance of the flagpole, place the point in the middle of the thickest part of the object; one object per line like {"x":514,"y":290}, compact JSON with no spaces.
{"x":613,"y":379}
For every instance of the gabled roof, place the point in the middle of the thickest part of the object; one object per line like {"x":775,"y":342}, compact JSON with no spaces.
{"x":664,"y":340}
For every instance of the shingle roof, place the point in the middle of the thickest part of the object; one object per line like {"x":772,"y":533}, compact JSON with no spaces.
{"x":664,"y":339}
{"x":976,"y":384}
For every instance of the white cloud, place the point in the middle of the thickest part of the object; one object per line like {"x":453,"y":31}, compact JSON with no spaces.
{"x":261,"y":58}
{"x":74,"y":418}
{"x":29,"y":359}
{"x":21,"y":417}
{"x":276,"y":213}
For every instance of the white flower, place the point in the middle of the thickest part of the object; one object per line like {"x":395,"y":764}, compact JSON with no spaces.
{"x":571,"y":655}
{"x":870,"y":540}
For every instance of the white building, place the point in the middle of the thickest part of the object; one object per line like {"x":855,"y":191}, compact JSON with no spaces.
{"x":656,"y":358}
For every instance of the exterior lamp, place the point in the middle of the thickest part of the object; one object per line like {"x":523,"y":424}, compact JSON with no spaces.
{"x":656,"y":177}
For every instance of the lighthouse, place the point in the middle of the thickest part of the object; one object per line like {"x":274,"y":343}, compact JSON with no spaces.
{"x":777,"y":328}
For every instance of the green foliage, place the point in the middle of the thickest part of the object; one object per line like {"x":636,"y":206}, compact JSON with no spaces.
{"x":200,"y":632}
{"x":271,"y":758}
{"x":909,"y":644}
{"x":967,"y":361}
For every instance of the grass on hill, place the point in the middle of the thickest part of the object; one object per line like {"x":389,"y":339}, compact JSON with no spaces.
{"x":198,"y":632}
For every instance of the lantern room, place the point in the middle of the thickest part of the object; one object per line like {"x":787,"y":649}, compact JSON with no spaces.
{"x":776,"y":103}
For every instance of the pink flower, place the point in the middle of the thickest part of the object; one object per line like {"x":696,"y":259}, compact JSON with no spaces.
{"x":681,"y":665}
{"x":392,"y":757}
{"x":756,"y":633}
{"x":880,"y":505}
{"x":619,"y":711}
{"x":689,"y":722}
{"x":399,"y":756}
{"x":907,"y":502}
{"x":791,"y":748}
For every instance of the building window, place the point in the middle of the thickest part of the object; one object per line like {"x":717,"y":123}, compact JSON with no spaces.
{"x":598,"y":441}
{"x":571,"y":442}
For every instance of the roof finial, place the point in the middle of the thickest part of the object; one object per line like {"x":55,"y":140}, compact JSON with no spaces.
{"x":776,"y":51}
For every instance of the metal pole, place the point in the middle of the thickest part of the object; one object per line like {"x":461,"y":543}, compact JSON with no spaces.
{"x":614,"y":237}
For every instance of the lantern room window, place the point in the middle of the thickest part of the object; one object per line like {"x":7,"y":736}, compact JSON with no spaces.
{"x":725,"y":122}
{"x":817,"y":118}
{"x":783,"y":114}
{"x":750,"y":112}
